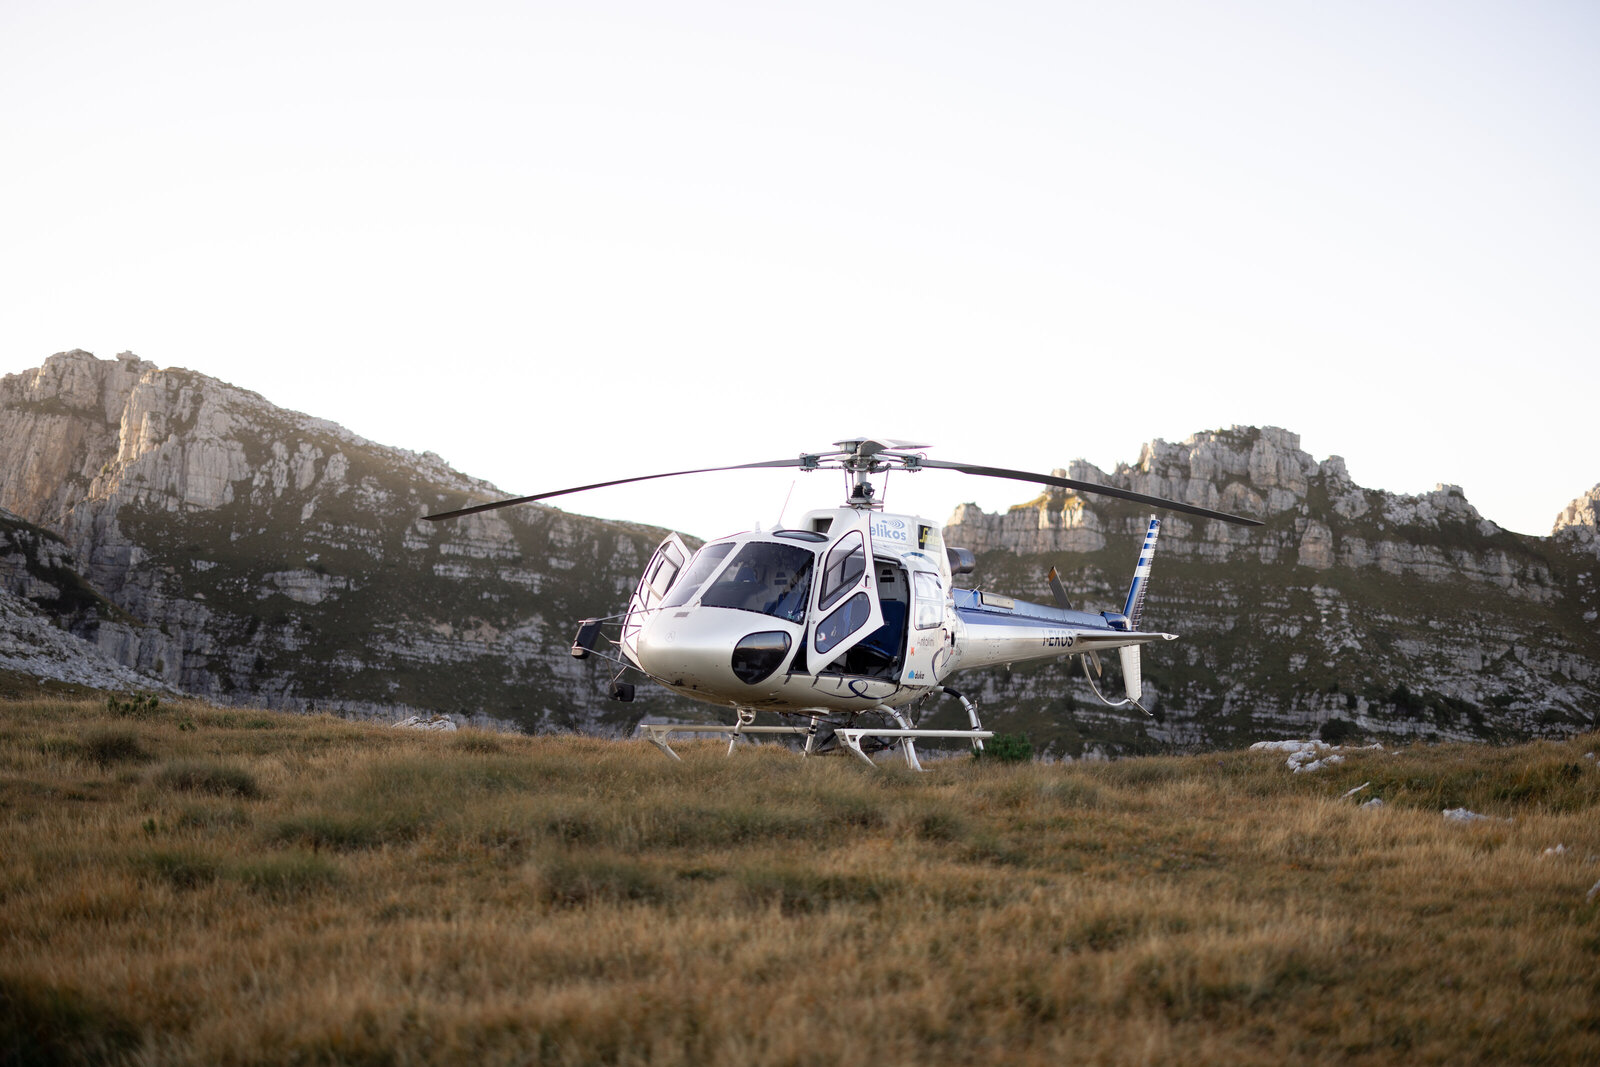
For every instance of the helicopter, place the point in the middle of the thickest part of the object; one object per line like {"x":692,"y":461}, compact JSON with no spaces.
{"x":847,"y":626}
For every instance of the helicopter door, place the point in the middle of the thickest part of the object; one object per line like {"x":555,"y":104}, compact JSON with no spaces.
{"x":659,"y":575}
{"x":928,"y":635}
{"x":844,"y":607}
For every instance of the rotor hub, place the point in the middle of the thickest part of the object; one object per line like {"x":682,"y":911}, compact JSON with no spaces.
{"x":862,"y":457}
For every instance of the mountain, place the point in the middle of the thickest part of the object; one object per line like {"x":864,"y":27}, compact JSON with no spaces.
{"x":1352,"y":611}
{"x":247,"y":553}
{"x":163,"y":522}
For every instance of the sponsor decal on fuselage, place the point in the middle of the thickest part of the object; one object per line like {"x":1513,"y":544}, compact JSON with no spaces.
{"x":885,"y":528}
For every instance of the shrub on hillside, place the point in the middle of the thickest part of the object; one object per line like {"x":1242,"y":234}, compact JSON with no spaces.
{"x":1339,"y":731}
{"x":1008,"y":748}
{"x":136,"y":706}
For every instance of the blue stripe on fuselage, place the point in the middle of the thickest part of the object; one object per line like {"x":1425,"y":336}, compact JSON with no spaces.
{"x":1024,"y":614}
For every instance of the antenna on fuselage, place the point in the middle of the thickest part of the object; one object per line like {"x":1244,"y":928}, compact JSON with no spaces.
{"x":779,"y":524}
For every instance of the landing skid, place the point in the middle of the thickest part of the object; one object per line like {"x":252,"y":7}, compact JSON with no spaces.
{"x":659,"y":734}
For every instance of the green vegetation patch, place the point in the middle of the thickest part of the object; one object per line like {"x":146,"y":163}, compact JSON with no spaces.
{"x":137,"y":706}
{"x":104,"y":747}
{"x":346,"y":832}
{"x":286,"y":875}
{"x":574,"y":879}
{"x":797,"y":889}
{"x":1007,"y":748}
{"x":179,"y":868}
{"x":211,"y":818}
{"x":203,"y":777}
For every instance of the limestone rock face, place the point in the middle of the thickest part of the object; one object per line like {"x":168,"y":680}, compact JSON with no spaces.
{"x":1319,"y":517}
{"x":242,"y":552}
{"x":40,"y":592}
{"x":1406,"y":615}
{"x":1579,"y":523}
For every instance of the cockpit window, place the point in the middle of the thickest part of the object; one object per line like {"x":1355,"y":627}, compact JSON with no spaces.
{"x":772,"y":579}
{"x":930,"y":600}
{"x":847,"y":562}
{"x":702,"y":566}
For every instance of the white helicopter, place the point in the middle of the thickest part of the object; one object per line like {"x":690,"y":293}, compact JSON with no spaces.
{"x":847,"y":625}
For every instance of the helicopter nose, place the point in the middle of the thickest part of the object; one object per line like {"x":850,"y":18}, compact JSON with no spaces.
{"x":707,"y":649}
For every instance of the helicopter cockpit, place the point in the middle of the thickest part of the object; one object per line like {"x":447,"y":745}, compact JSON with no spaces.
{"x":850,"y":603}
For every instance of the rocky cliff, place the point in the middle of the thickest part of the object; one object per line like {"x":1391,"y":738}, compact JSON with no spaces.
{"x":1579,"y":524}
{"x":1351,"y":610}
{"x":239,"y":551}
{"x":42,"y":597}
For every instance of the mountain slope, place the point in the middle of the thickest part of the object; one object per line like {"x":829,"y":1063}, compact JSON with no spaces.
{"x":259,"y":554}
{"x":1383,"y":614}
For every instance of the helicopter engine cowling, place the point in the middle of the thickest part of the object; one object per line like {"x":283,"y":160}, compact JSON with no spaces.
{"x":962,"y":561}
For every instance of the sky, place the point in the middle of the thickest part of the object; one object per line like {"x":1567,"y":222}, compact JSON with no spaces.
{"x":559,"y":243}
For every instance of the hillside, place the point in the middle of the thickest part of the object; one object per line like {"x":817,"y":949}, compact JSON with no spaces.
{"x":183,"y":528}
{"x":249,"y":553}
{"x":1352,"y":610}
{"x":196,"y":886}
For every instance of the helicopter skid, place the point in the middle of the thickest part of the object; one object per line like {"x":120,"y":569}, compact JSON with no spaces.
{"x":659,"y":735}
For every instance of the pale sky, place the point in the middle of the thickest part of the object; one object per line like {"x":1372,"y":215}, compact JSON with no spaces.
{"x":565,"y":242}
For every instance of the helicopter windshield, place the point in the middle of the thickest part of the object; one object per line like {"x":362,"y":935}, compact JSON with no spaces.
{"x":701,"y":567}
{"x":772,"y":579}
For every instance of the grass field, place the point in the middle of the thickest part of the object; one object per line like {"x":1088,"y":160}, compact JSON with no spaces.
{"x":198,"y":886}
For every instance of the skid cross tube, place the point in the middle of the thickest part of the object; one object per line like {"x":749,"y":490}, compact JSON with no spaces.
{"x":659,"y":734}
{"x":852,"y":738}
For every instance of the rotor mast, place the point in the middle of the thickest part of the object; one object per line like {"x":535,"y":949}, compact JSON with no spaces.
{"x":861,"y":458}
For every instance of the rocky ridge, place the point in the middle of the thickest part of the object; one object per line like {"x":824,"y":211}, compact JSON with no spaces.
{"x":248,"y":553}
{"x":1579,"y":522}
{"x":1379,"y":613}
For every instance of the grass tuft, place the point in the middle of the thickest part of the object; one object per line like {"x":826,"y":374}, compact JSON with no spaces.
{"x":570,"y":880}
{"x":181,"y":869}
{"x":347,"y":832}
{"x":798,"y":890}
{"x":286,"y":875}
{"x":214,"y":778}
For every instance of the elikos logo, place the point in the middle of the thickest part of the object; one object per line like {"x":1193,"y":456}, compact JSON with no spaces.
{"x":891,"y":530}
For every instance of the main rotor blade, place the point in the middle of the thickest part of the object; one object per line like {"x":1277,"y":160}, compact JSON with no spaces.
{"x":601,"y":485}
{"x":1089,"y":487}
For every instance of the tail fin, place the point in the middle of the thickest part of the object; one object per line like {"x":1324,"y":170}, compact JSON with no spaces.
{"x":1141,"y":576}
{"x":1132,"y":677}
{"x":1058,"y":590}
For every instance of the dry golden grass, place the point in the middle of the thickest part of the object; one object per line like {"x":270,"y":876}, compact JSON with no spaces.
{"x":199,"y":886}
